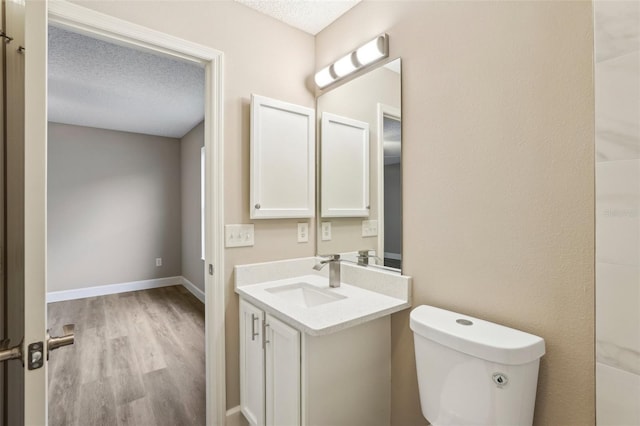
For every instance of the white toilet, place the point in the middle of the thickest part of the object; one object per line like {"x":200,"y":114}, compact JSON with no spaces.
{"x":474,"y":372}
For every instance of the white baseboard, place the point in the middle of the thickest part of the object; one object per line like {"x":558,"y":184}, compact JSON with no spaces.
{"x":193,"y":289}
{"x":394,"y":256}
{"x":235,"y":417}
{"x":81,"y":293}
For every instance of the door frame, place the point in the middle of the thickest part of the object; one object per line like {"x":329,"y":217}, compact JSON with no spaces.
{"x":99,"y":25}
{"x":395,"y":113}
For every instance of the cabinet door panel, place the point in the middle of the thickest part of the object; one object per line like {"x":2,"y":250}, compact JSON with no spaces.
{"x":251,"y":364}
{"x":282,"y":355}
{"x":344,"y":167}
{"x":282,"y":160}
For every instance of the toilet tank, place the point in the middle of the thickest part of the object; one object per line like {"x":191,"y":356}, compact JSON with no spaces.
{"x":474,"y":372}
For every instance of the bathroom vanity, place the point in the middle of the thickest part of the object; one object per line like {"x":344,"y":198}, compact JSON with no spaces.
{"x":314,"y":355}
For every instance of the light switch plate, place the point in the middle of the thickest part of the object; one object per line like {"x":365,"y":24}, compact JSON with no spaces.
{"x":238,"y":235}
{"x":303,"y":232}
{"x":326,"y":231}
{"x":369,"y":228}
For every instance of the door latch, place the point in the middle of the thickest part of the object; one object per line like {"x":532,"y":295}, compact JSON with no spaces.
{"x":35,"y":355}
{"x":67,"y":338}
{"x":7,"y":353}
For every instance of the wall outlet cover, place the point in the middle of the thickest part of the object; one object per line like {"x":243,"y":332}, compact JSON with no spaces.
{"x":158,"y":261}
{"x":326,"y":231}
{"x":303,"y":232}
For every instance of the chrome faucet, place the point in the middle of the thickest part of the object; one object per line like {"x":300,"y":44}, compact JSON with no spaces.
{"x":334,"y":269}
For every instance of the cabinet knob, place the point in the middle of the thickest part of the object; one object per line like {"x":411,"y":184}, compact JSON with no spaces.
{"x":257,"y":206}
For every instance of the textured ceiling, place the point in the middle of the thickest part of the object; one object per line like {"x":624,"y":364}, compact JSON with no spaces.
{"x":99,"y":84}
{"x":310,"y":16}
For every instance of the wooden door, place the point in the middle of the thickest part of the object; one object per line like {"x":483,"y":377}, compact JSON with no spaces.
{"x":25,"y":222}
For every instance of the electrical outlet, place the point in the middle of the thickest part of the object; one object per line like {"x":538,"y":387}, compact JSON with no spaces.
{"x":158,"y":261}
{"x":238,"y":235}
{"x":303,"y":232}
{"x":326,"y":231}
{"x":369,"y":228}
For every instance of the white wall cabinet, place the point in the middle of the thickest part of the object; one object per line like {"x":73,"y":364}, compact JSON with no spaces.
{"x":282,"y":160}
{"x":344,"y":167}
{"x":292,"y":379}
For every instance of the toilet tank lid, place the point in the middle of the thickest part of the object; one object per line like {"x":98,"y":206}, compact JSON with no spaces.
{"x":476,"y":337}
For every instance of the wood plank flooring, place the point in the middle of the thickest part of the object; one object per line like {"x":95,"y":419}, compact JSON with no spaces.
{"x":138,"y":359}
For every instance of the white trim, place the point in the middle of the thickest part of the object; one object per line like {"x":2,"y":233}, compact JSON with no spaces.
{"x":394,"y":256}
{"x":101,"y":290}
{"x":80,"y":19}
{"x":234,"y":417}
{"x":97,"y":24}
{"x":393,"y":112}
{"x":193,"y":289}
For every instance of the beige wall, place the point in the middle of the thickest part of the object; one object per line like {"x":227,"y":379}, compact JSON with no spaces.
{"x":498,"y":164}
{"x":190,"y":194}
{"x":262,"y":56}
{"x":498,"y":154}
{"x":113,"y":207}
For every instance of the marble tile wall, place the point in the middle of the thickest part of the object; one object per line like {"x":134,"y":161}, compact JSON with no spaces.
{"x":617,"y":90}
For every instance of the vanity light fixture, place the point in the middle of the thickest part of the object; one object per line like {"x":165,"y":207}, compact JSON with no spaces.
{"x":367,"y":54}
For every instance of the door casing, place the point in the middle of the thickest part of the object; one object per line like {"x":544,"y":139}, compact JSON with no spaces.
{"x":95,"y":24}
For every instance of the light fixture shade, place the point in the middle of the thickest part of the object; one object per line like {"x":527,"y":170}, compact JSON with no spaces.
{"x":372,"y":51}
{"x":324,"y":77}
{"x":344,"y":66}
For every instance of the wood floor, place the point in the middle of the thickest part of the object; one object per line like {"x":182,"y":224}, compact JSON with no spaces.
{"x":138,"y":359}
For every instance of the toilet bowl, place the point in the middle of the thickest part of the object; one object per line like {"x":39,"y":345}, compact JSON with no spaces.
{"x":474,"y":372}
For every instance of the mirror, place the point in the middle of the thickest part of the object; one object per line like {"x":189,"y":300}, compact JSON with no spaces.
{"x":360,"y":187}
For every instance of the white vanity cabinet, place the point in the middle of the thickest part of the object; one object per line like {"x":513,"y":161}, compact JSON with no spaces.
{"x":282,"y":373}
{"x":251,"y":363}
{"x":269,"y":369}
{"x":290,"y":378}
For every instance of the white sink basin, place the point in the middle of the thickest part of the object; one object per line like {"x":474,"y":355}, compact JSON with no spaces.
{"x":305,"y":294}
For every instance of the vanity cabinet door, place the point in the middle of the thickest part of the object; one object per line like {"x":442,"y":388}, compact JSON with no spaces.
{"x":251,"y":364}
{"x":282,"y":359}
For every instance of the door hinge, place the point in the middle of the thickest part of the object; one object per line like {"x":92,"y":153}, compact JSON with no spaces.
{"x":211,"y":269}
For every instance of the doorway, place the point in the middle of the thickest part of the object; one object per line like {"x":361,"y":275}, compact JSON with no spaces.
{"x":87,"y":22}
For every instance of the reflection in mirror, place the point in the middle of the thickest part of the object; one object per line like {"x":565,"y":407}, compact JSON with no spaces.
{"x":360,"y":187}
